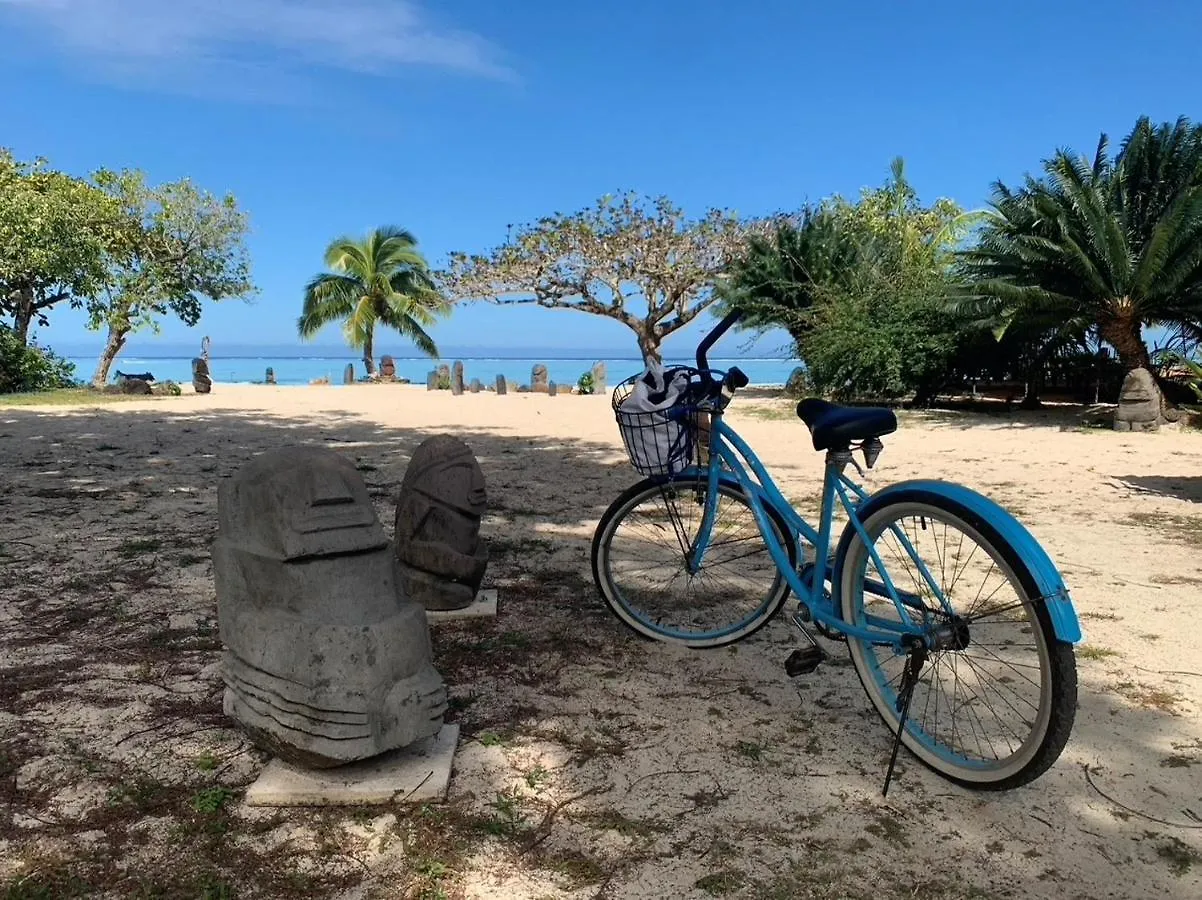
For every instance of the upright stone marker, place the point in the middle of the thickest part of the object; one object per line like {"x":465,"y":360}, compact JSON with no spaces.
{"x":476,"y":387}
{"x":1139,"y":403}
{"x":599,"y":377}
{"x":270,"y":375}
{"x":539,"y":378}
{"x":551,"y":388}
{"x":348,"y":374}
{"x":439,"y":508}
{"x":202,"y":383}
{"x":457,"y":378}
{"x":432,"y":380}
{"x":501,"y":384}
{"x":444,"y":377}
{"x":326,"y":660}
{"x":387,"y":368}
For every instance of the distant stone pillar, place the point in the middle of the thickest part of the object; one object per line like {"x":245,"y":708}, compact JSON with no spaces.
{"x":444,"y":377}
{"x":476,"y":386}
{"x":432,"y":380}
{"x":457,"y":378}
{"x":552,"y":388}
{"x":599,"y":377}
{"x":202,"y":382}
{"x":387,"y":367}
{"x":539,"y":378}
{"x":270,"y":375}
{"x":348,"y":375}
{"x":501,"y":384}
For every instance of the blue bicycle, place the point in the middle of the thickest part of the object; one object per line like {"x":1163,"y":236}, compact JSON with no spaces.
{"x":959,"y":626}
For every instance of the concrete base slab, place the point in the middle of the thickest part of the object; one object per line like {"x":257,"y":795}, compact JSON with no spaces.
{"x":485,"y":605}
{"x":419,"y":773}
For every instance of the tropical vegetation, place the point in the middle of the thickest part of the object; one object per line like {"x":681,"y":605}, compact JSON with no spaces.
{"x":381,"y":279}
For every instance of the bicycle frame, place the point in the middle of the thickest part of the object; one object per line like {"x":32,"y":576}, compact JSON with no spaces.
{"x":732,"y":459}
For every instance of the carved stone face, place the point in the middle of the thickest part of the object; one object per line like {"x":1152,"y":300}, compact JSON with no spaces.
{"x":327,"y":660}
{"x":441,"y":503}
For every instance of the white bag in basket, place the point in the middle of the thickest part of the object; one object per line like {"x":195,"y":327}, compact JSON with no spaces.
{"x":652,"y":447}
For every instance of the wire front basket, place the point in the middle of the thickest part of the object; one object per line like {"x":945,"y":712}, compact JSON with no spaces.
{"x":658,"y":441}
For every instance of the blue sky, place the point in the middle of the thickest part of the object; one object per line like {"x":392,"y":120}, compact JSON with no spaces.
{"x":456,"y":118}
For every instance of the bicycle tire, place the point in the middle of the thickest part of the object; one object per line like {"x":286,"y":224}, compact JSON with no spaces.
{"x":1053,"y":719}
{"x":730,"y":632}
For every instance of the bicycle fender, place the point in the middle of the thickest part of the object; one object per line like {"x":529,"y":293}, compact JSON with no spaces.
{"x":1047,"y":577}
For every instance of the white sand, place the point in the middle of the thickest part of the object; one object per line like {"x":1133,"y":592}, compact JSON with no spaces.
{"x":652,"y":731}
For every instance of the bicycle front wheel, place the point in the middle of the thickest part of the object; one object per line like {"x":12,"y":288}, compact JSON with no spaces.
{"x":640,"y":564}
{"x":994,"y":704}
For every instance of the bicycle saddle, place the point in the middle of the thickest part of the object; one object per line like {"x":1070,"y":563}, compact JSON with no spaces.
{"x":834,"y":427}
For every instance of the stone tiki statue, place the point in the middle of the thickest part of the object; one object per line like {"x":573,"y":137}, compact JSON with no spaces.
{"x":1139,"y":403}
{"x":441,"y":503}
{"x":326,"y":660}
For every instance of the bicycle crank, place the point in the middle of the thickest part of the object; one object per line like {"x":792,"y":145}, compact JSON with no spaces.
{"x":804,"y":660}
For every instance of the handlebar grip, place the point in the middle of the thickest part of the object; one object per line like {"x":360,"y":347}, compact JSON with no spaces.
{"x":712,"y":338}
{"x":736,"y":380}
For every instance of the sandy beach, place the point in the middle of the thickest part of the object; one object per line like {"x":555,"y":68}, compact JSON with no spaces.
{"x":591,"y":764}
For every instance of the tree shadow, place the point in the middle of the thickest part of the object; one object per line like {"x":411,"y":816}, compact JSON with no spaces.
{"x":1182,"y":487}
{"x":698,"y":764}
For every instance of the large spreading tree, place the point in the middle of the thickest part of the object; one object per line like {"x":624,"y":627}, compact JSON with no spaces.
{"x":382,"y":279}
{"x":58,"y":237}
{"x":1102,"y":247}
{"x":628,"y":258}
{"x":181,"y":247}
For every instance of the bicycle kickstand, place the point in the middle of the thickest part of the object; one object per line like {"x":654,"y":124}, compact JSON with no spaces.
{"x":914,"y":664}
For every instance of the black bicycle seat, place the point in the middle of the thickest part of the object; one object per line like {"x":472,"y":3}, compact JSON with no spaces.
{"x":834,"y":427}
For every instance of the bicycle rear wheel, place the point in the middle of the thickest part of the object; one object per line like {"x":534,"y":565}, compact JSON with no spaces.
{"x":640,"y":553}
{"x":994,"y":705}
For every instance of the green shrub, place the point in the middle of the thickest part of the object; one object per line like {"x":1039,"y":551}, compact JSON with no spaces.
{"x":585,"y":384}
{"x":28,"y":367}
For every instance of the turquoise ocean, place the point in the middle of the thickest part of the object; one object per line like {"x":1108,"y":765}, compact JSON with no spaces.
{"x":297,"y":370}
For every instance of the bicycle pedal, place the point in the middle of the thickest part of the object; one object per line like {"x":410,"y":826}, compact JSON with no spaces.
{"x":804,"y":660}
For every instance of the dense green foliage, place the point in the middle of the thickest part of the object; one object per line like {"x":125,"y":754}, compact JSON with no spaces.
{"x":1099,"y":248}
{"x":862,"y":288}
{"x":380,"y":280}
{"x":28,"y":367}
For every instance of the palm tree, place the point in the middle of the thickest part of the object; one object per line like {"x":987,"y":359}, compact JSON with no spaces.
{"x":382,"y":279}
{"x":1107,"y":247}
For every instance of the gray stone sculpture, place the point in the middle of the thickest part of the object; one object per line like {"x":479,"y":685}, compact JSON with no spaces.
{"x":326,"y":660}
{"x":552,"y":388}
{"x":387,"y":368}
{"x":599,"y":377}
{"x":457,"y":378}
{"x":348,"y":374}
{"x":539,"y":379}
{"x":432,"y":380}
{"x":444,"y":377}
{"x":501,"y":384}
{"x":476,"y":386}
{"x":1139,"y":403}
{"x":270,"y":375}
{"x":202,"y":382}
{"x":441,"y":503}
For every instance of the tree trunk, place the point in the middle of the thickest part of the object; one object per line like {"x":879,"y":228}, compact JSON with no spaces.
{"x":23,"y":316}
{"x":368,"y":362}
{"x":1125,"y":335}
{"x":649,"y":346}
{"x":112,"y":347}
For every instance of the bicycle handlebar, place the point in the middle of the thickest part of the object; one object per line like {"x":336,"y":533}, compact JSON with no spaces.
{"x":712,"y":338}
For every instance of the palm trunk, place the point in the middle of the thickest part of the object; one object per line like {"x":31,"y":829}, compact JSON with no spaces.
{"x":368,"y":363}
{"x":112,"y":347}
{"x":1125,"y":335}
